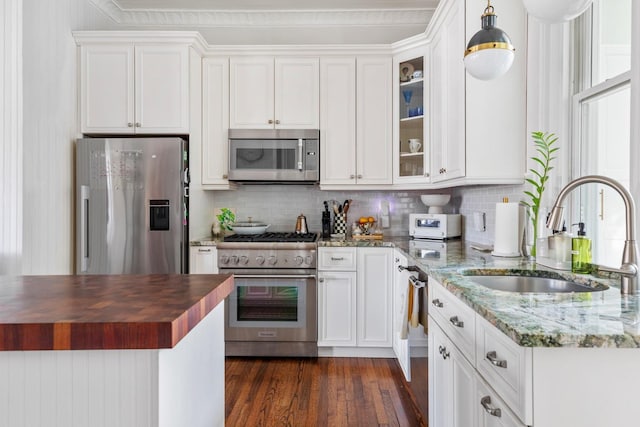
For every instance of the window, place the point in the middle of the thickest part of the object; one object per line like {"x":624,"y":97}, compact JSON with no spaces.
{"x":602,"y":122}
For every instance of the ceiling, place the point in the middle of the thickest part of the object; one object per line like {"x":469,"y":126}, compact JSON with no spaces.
{"x":277,"y":21}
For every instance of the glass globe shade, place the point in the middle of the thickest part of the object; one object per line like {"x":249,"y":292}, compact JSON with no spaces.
{"x":553,"y":11}
{"x":488,"y":64}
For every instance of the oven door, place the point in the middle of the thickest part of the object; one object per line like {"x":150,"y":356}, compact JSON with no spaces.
{"x":272,"y":307}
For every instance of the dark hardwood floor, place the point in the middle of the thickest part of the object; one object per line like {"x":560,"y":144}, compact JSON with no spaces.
{"x":317,"y":392}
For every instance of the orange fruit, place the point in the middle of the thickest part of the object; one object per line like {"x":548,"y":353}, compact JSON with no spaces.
{"x":371,"y":219}
{"x":363,"y":220}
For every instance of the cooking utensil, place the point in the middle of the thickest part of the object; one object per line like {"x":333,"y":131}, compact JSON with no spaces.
{"x":250,"y":227}
{"x":301,"y":225}
{"x":345,"y":206}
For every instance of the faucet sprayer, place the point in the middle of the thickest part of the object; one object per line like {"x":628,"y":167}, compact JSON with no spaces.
{"x":629,"y":267}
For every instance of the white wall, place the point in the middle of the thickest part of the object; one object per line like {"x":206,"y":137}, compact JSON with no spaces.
{"x":50,"y":124}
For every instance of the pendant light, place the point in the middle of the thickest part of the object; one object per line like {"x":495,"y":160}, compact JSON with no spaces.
{"x":553,"y":11}
{"x":489,"y":53}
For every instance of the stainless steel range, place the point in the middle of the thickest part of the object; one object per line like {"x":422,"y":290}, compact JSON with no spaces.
{"x":272,"y":311}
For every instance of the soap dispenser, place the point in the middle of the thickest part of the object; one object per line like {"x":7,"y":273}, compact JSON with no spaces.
{"x":581,"y":251}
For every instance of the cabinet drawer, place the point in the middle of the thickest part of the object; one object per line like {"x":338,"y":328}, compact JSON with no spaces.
{"x":454,"y":317}
{"x":491,"y":410}
{"x":337,"y":259}
{"x":506,"y":367}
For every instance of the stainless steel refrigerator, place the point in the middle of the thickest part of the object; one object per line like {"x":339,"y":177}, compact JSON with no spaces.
{"x":131,"y":205}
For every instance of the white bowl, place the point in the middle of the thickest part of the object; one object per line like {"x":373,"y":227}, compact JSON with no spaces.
{"x":435,"y":202}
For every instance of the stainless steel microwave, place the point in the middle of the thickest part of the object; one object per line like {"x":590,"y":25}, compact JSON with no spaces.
{"x":274,"y":155}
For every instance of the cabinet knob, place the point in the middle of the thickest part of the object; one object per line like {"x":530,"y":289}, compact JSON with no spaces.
{"x":359,"y":176}
{"x":270,"y":122}
{"x":426,"y":175}
{"x":138,"y":124}
{"x":225,"y":176}
{"x":130,"y":124}
{"x":277,"y":122}
{"x":492,"y":357}
{"x":321,"y":280}
{"x":456,"y":322}
{"x":437,"y":303}
{"x":352,"y":177}
{"x":486,"y":404}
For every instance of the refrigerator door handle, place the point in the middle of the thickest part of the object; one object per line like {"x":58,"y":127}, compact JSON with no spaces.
{"x":84,"y":228}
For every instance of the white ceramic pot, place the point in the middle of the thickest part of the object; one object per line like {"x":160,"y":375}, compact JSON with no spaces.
{"x":250,"y":227}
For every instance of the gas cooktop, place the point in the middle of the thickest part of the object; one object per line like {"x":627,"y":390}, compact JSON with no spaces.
{"x":273,"y":237}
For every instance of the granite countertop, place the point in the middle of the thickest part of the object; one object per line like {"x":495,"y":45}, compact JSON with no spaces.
{"x":101,"y":312}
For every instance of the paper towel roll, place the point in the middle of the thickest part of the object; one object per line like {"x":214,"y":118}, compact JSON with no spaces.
{"x":508,"y":236}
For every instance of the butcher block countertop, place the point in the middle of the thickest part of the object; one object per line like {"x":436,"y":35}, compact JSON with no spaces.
{"x":104,"y":312}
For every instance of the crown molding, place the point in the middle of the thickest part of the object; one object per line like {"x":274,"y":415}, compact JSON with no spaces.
{"x":265,"y":18}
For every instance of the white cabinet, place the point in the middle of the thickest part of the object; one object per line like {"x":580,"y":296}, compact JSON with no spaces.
{"x":337,"y":308}
{"x":274,"y":93}
{"x":400,"y":288}
{"x":354,"y":303}
{"x":374,"y":285}
{"x":447,"y":106}
{"x":203,"y":260}
{"x":452,"y":383}
{"x":215,"y":123}
{"x":134,"y":89}
{"x":356,"y":126}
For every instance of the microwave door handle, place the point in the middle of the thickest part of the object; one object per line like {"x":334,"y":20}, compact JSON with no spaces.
{"x":300,"y":153}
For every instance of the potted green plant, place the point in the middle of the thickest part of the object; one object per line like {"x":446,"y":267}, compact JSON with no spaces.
{"x":544,"y":146}
{"x":226,"y":218}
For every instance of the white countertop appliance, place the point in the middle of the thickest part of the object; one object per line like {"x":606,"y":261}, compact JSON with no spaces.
{"x":435,"y":226}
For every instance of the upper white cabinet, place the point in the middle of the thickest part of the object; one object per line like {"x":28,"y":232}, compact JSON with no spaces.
{"x":215,"y":123}
{"x":274,"y":93}
{"x":356,"y":121}
{"x":447,"y":106}
{"x":134,"y":89}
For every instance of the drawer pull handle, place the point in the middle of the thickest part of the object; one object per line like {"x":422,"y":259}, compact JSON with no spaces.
{"x":337,"y":258}
{"x":443,"y":352}
{"x":204,"y":250}
{"x":486,"y":404}
{"x":492,"y":356}
{"x":455,"y":322}
{"x":437,"y":303}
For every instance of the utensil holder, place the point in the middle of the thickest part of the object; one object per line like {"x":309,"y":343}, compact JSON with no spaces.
{"x":340,"y":223}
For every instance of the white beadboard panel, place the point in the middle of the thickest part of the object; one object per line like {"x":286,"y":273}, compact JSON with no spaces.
{"x":183,"y":386}
{"x":192,"y":376}
{"x":10,"y":137}
{"x":50,"y":112}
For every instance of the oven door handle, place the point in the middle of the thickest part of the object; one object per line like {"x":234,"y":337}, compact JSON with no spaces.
{"x":275,"y":276}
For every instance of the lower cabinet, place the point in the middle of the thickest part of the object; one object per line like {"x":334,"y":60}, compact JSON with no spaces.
{"x":354,"y":305}
{"x":203,"y":260}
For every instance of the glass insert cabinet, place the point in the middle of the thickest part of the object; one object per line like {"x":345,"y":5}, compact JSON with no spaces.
{"x":411,"y":107}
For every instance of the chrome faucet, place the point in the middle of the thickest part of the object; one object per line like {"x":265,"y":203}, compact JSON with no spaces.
{"x":629,"y":268}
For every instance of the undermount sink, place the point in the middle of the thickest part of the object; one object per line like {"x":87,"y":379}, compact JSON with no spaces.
{"x":533,"y":284}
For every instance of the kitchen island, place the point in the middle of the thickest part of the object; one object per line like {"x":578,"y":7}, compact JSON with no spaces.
{"x":112,"y":350}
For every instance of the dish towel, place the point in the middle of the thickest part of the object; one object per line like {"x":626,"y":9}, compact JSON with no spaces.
{"x":414,"y":307}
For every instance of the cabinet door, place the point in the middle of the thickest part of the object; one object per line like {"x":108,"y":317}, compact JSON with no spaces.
{"x":375,"y":282}
{"x":251,"y":93}
{"x":297,"y":93}
{"x":338,"y":120}
{"x":162,"y":89}
{"x":400,"y":288}
{"x":203,"y":260}
{"x":374,"y":118}
{"x":215,"y":121}
{"x":448,"y":97}
{"x":336,"y":309}
{"x":106,"y":89}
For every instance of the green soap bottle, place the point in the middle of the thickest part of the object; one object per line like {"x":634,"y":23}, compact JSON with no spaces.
{"x":581,"y":252}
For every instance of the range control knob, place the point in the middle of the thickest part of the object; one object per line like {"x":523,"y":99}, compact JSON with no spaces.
{"x":234,"y":259}
{"x":244,"y":260}
{"x":309,"y":259}
{"x":273,"y":260}
{"x":224,"y":259}
{"x":260,"y":259}
{"x":298,"y":260}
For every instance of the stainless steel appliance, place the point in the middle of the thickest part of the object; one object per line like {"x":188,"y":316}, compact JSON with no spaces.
{"x":280,"y":155}
{"x":131,"y":205}
{"x":435,"y":226}
{"x":272,"y":310}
